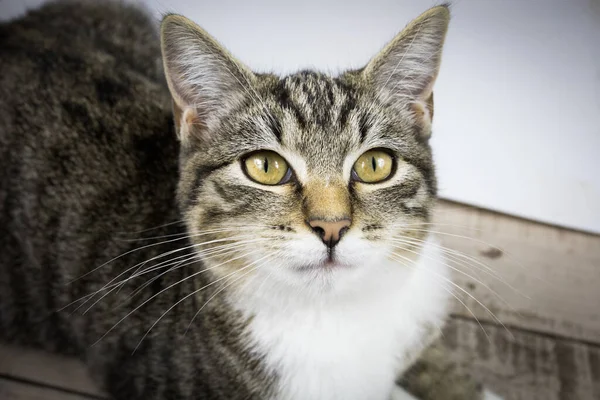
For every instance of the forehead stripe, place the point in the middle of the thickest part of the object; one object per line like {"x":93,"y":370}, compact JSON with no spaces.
{"x":283,"y":98}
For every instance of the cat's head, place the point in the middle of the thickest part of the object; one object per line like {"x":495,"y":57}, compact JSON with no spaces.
{"x":308,"y":179}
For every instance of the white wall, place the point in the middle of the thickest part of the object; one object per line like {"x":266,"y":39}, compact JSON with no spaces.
{"x":517,"y":125}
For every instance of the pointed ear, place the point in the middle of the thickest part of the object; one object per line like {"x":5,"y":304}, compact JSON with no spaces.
{"x":205,"y":80}
{"x":404,"y":72}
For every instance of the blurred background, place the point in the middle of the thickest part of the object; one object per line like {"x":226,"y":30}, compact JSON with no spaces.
{"x":517,"y":143}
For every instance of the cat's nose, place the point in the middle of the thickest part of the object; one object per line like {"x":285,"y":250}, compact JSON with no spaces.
{"x":330,"y":231}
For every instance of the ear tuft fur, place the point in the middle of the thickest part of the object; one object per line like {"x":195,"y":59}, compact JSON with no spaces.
{"x":203,"y":77}
{"x":404,"y":72}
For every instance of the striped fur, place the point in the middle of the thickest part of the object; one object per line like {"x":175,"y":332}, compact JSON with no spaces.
{"x":97,"y":183}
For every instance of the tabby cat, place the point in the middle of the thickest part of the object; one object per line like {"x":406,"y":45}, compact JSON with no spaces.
{"x":271,"y":243}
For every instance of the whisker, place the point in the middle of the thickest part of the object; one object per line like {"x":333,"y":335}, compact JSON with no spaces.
{"x":402,"y":225}
{"x":195,"y":257}
{"x":208,"y":251}
{"x":145,"y":247}
{"x":192,"y":294}
{"x":223,"y":287}
{"x":167,"y":253}
{"x":474,"y":262}
{"x":447,"y":251}
{"x":470,"y":295}
{"x":110,"y":284}
{"x":462,"y":273}
{"x":180,"y":265}
{"x":153,"y":228}
{"x":447,"y":289}
{"x":195,"y":233}
{"x":162,"y":291}
{"x":458,"y":236}
{"x":504,"y":251}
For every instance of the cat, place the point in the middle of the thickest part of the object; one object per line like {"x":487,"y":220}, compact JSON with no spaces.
{"x":195,"y":230}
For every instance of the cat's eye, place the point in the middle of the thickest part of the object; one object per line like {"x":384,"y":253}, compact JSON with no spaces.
{"x":267,"y":168}
{"x":373,"y":166}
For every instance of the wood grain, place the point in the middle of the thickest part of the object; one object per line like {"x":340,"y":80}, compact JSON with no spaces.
{"x":547,"y":279}
{"x":525,"y":365}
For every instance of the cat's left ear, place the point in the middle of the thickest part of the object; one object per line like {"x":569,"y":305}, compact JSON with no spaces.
{"x":404,"y":72}
{"x":205,"y":80}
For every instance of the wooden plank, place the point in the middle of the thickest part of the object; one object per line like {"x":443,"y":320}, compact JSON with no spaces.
{"x":14,"y":390}
{"x":46,"y":369}
{"x":546,"y":278}
{"x":525,"y":365}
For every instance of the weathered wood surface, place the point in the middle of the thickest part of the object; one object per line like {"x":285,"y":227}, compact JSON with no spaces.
{"x":547,"y":279}
{"x":525,"y":365}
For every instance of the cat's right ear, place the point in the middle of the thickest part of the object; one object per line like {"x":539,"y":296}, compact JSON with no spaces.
{"x":205,"y":80}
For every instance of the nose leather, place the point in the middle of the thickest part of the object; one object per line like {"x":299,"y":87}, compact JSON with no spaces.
{"x":330,"y":231}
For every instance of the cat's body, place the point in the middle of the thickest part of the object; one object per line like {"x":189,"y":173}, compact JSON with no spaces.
{"x":89,"y":160}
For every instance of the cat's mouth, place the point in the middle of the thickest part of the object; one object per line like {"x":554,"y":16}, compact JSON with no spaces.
{"x":329,"y":264}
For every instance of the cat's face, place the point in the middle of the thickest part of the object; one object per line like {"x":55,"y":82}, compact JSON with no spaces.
{"x":308,"y":177}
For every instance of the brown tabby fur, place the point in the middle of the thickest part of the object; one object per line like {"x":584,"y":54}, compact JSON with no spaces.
{"x":90,"y":168}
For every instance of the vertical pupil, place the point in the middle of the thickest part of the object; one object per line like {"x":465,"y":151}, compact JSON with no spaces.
{"x":373,"y":163}
{"x":266,"y":164}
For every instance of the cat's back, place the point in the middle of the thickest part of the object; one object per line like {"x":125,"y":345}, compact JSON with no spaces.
{"x":69,"y":35}
{"x":82,"y":98}
{"x":78,"y":63}
{"x":87,"y":146}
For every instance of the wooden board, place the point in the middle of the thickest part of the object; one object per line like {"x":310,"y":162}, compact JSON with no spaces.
{"x":16,"y":390}
{"x":526,"y":365}
{"x":547,"y":279}
{"x":49,"y":371}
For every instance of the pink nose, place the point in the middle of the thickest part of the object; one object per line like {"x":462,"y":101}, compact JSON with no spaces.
{"x":330,"y":231}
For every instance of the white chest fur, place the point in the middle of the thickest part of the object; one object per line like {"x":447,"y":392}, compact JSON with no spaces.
{"x":354,"y":346}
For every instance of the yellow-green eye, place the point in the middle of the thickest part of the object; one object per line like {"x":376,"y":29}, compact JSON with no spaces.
{"x":373,"y":166}
{"x":267,"y":167}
